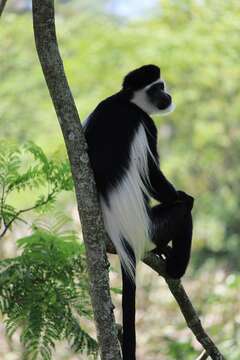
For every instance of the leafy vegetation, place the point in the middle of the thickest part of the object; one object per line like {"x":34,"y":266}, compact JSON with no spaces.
{"x":43,"y":291}
{"x":27,"y":168}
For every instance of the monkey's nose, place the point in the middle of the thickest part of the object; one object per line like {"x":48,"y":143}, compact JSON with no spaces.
{"x":165,"y":101}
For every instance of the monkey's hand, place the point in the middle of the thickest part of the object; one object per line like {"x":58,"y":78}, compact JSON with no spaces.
{"x":185,"y":198}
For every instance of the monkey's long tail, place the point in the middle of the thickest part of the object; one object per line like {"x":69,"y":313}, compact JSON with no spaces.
{"x":128,"y":306}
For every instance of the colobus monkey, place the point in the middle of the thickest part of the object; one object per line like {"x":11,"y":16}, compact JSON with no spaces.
{"x":122,"y":146}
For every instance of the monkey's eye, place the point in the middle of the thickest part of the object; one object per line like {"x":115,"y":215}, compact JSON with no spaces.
{"x":161,"y":85}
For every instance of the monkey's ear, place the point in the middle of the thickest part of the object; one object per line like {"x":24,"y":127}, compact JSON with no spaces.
{"x":141,"y":77}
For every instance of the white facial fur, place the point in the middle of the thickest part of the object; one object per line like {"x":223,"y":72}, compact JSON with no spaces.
{"x":141,"y":100}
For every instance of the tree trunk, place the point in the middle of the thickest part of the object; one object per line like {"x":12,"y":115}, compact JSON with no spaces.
{"x":87,"y":200}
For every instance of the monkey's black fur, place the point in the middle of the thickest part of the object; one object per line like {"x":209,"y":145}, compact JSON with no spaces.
{"x":120,"y":133}
{"x":141,"y":77}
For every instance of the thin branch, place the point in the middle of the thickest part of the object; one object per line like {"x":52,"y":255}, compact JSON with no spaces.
{"x":185,"y":305}
{"x":2,"y":6}
{"x":16,"y":216}
{"x":87,"y":199}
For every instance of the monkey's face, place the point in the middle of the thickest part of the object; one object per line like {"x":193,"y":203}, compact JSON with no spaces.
{"x":154,"y":99}
{"x":158,"y":96}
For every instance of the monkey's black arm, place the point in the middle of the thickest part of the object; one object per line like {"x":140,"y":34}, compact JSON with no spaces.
{"x":160,"y":188}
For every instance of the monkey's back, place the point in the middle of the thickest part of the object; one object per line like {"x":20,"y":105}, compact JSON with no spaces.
{"x":118,"y":146}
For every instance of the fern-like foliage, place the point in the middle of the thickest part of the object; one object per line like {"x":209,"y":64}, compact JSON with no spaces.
{"x":27,"y":168}
{"x":44,"y":292}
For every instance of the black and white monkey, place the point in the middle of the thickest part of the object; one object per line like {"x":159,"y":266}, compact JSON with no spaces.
{"x":122,"y":146}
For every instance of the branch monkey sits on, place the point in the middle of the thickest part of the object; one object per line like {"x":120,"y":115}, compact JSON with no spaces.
{"x":122,"y":146}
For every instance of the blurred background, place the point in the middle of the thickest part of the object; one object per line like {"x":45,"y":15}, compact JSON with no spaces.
{"x":196,"y":44}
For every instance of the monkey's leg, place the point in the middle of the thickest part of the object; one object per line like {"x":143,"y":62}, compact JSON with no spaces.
{"x":128,"y":308}
{"x":173,"y":223}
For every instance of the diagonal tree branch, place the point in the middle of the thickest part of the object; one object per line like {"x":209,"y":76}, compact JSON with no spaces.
{"x":186,"y":307}
{"x":88,"y":205}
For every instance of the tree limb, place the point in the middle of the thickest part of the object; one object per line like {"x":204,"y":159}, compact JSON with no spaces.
{"x":87,"y":200}
{"x":185,"y":305}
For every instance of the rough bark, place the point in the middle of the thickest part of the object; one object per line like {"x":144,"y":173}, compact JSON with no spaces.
{"x":87,"y":200}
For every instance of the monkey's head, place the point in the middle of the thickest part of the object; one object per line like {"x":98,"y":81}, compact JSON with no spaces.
{"x":148,"y":90}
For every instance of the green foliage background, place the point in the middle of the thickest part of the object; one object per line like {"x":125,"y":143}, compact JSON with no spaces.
{"x":196,"y":44}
